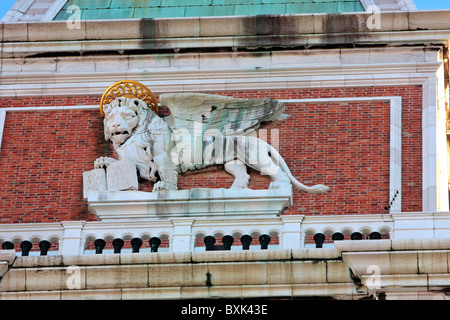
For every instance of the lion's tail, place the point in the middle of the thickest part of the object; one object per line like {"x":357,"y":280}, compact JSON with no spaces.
{"x":277,"y":158}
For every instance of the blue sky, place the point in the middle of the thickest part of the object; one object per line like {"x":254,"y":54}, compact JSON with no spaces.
{"x":432,"y":4}
{"x":5,"y":5}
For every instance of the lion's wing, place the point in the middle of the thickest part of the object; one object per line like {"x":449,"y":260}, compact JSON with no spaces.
{"x":227,"y":114}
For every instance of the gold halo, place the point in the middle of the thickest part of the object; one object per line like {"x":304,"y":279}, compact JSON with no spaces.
{"x":128,"y":89}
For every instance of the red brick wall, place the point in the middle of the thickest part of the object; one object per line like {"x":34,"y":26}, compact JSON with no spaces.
{"x":342,"y":145}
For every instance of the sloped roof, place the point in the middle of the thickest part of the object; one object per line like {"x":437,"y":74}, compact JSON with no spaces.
{"x":129,"y":9}
{"x":48,"y":10}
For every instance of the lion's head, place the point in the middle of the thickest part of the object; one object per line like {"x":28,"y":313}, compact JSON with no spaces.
{"x":123,"y":118}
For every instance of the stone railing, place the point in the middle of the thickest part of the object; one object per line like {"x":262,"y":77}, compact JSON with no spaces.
{"x":215,"y":233}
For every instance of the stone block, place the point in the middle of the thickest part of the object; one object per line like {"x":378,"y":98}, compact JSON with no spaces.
{"x":156,"y":258}
{"x":37,"y":261}
{"x":310,"y":254}
{"x":337,"y":272}
{"x":15,"y":32}
{"x":279,"y":273}
{"x":396,"y":281}
{"x":122,"y":29}
{"x":59,"y":30}
{"x":121,"y":276}
{"x":14,"y":280}
{"x":218,"y":26}
{"x":102,"y":294}
{"x":420,"y":244}
{"x":172,"y":28}
{"x":194,"y":202}
{"x":403,"y":263}
{"x":76,"y":64}
{"x":309,"y":272}
{"x":94,"y":181}
{"x":343,"y":290}
{"x":362,"y":262}
{"x":433,"y":261}
{"x":237,"y":273}
{"x":397,"y":21}
{"x":194,"y":292}
{"x":43,"y":279}
{"x":438,"y":281}
{"x":264,"y":291}
{"x":428,"y":20}
{"x":8,"y":256}
{"x":225,"y":292}
{"x":363,"y":245}
{"x":240,"y":255}
{"x":34,"y":295}
{"x":151,"y":293}
{"x":121,"y":175}
{"x":91,"y":259}
{"x":177,"y":275}
{"x":3,"y":268}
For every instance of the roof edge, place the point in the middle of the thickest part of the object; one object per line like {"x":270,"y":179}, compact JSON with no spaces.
{"x":20,"y":10}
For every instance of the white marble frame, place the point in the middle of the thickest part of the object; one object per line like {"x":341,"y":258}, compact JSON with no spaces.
{"x":404,"y":5}
{"x":395,"y":180}
{"x":395,"y":156}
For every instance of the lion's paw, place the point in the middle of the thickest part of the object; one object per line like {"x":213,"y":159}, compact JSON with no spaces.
{"x":164,"y":186}
{"x":103,"y":162}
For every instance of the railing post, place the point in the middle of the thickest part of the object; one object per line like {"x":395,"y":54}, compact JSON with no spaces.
{"x":292,"y":232}
{"x":70,"y":244}
{"x":181,"y":234}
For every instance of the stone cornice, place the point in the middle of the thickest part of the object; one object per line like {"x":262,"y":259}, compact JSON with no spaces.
{"x":237,"y":33}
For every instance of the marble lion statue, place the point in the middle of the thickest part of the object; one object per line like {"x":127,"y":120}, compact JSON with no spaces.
{"x":202,"y":130}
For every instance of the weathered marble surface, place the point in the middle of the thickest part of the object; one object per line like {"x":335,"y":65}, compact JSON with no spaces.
{"x":121,"y":175}
{"x":94,"y":181}
{"x":198,"y":202}
{"x":202,"y":130}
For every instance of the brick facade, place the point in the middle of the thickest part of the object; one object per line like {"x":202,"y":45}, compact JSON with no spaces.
{"x":342,"y":145}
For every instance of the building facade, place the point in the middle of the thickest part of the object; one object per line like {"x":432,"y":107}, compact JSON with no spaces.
{"x":365,"y":85}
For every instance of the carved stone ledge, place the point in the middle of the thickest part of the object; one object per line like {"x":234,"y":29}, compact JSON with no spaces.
{"x":198,"y":202}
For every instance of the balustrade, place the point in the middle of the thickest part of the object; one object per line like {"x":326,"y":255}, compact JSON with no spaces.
{"x":320,"y":238}
{"x":228,"y":240}
{"x":194,"y":234}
